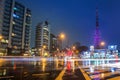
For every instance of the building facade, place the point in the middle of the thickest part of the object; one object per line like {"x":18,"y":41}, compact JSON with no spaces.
{"x":53,"y":43}
{"x":15,"y":23}
{"x":42,"y":42}
{"x":34,"y":51}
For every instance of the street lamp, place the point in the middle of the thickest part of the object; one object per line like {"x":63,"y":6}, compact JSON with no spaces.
{"x":62,"y":37}
{"x":44,"y":46}
{"x":102,"y":44}
{"x":1,"y":37}
{"x":73,"y":47}
{"x":43,"y":49}
{"x":73,"y":50}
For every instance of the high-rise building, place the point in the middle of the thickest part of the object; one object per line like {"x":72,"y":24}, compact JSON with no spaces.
{"x":15,"y":23}
{"x":53,"y":43}
{"x":42,"y":37}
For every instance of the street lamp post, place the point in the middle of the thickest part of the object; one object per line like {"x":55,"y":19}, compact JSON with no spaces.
{"x":73,"y":50}
{"x":102,"y":44}
{"x":43,"y":49}
{"x":1,"y":37}
{"x":73,"y":47}
{"x":62,"y":37}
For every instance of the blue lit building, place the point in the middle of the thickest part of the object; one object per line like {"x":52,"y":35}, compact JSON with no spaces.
{"x":108,"y":53}
{"x":15,"y":23}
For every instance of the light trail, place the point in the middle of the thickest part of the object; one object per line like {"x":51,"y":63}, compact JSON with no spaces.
{"x":21,"y":58}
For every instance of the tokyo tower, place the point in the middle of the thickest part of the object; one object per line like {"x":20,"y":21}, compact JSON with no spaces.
{"x":97,"y":37}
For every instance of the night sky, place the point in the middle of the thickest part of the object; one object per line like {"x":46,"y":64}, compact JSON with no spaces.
{"x":77,"y":18}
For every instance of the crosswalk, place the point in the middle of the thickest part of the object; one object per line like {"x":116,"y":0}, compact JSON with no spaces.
{"x":99,"y":73}
{"x":115,"y":78}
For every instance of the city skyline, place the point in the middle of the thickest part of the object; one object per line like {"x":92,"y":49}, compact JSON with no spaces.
{"x":59,"y":40}
{"x":80,"y":15}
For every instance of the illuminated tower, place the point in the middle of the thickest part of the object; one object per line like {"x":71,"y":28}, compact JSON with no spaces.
{"x":97,"y":37}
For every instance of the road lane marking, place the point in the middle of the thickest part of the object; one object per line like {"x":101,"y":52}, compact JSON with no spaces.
{"x":84,"y":74}
{"x":59,"y":77}
{"x":6,"y":77}
{"x":115,"y":78}
{"x":40,"y":74}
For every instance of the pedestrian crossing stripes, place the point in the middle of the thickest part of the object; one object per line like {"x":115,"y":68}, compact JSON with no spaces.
{"x":100,"y":73}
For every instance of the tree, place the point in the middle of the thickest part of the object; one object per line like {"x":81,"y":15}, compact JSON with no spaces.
{"x":79,"y":48}
{"x":77,"y":45}
{"x":83,"y":48}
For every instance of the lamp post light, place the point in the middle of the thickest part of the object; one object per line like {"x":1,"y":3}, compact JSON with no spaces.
{"x":43,"y":49}
{"x":44,"y":46}
{"x":1,"y":37}
{"x":73,"y":50}
{"x":102,"y":44}
{"x":73,"y":47}
{"x":62,"y":37}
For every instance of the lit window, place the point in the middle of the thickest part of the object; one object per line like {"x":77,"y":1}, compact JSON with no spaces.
{"x":15,"y":47}
{"x":3,"y":40}
{"x":15,"y":8}
{"x":13,"y":22}
{"x":16,"y":16}
{"x":6,"y":41}
{"x":29,"y":15}
{"x":13,"y":34}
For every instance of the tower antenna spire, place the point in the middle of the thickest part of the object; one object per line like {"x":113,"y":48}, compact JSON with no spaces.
{"x":97,"y":18}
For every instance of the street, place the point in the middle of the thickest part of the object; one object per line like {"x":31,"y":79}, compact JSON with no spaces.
{"x":24,"y":68}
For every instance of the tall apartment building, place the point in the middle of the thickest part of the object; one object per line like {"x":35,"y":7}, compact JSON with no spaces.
{"x":53,"y":43}
{"x":42,"y":37}
{"x":15,"y":23}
